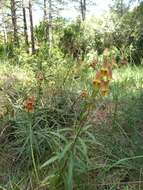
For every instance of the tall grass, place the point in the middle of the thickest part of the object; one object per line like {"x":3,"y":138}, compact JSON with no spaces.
{"x":63,"y":145}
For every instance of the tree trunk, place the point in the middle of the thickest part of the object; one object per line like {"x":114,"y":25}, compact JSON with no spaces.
{"x":25,"y":28}
{"x":83,"y":9}
{"x":14,"y":22}
{"x":5,"y":39}
{"x":45,"y":9}
{"x":50,"y":24}
{"x":4,"y":28}
{"x":31,"y":27}
{"x":45,"y":21}
{"x":5,"y":33}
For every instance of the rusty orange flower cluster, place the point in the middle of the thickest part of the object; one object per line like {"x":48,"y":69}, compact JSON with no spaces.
{"x":102,"y":79}
{"x":29,"y":104}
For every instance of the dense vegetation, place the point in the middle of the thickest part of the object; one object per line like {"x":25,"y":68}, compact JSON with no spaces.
{"x":71,"y":98}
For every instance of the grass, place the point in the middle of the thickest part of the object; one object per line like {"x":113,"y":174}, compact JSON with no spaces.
{"x":120,"y":132}
{"x":59,"y":145}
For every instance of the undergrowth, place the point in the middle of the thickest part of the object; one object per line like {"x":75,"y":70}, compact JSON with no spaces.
{"x":56,"y":133}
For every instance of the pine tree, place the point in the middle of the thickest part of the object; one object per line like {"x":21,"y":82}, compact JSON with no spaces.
{"x":14,"y":22}
{"x":25,"y":27}
{"x":31,"y":27}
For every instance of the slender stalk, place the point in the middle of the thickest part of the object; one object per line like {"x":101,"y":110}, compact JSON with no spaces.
{"x":31,"y":146}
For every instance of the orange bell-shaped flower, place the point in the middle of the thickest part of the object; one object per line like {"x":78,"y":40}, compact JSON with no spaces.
{"x":29,"y":104}
{"x":104,"y":88}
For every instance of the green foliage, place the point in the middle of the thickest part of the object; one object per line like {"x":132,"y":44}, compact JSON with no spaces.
{"x":40,"y":31}
{"x":56,"y":130}
{"x":59,"y":145}
{"x":74,"y":41}
{"x":127,"y":33}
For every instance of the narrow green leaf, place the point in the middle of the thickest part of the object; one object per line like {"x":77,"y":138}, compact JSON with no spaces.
{"x":83,"y":147}
{"x":65,"y":150}
{"x":70,"y":174}
{"x":2,"y":188}
{"x":47,"y":179}
{"x":50,"y":161}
